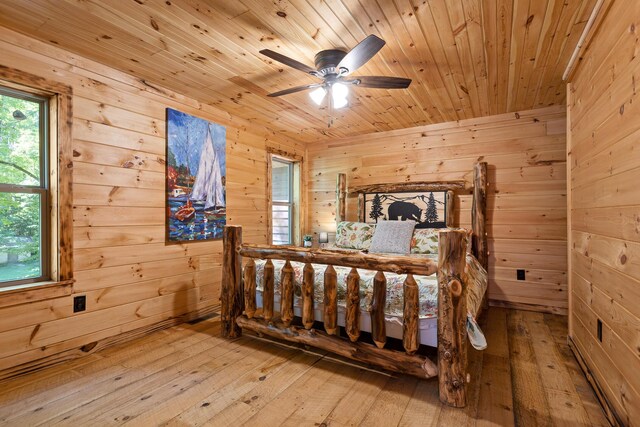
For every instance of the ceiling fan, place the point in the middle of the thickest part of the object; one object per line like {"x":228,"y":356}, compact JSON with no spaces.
{"x":334,"y":66}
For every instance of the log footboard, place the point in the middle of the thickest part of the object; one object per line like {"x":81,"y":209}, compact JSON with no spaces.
{"x":238,"y":292}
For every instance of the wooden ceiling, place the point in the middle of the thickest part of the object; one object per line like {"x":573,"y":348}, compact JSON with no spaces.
{"x":467,"y":58}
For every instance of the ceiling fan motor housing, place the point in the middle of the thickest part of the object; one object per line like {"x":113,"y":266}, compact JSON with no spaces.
{"x":326,"y":61}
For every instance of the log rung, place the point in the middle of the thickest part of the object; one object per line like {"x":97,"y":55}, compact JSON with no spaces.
{"x":397,"y":361}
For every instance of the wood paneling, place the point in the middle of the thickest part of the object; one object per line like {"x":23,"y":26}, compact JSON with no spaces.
{"x":604,"y":209}
{"x":132,"y":280}
{"x":526,"y":193}
{"x":467,"y":58}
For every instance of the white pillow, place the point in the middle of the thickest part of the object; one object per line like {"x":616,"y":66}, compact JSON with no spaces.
{"x":392,"y":237}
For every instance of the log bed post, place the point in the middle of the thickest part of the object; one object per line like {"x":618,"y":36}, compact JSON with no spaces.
{"x":341,"y":195}
{"x":452,"y":318}
{"x":232,"y":292}
{"x":449,"y":214}
{"x":479,"y":245}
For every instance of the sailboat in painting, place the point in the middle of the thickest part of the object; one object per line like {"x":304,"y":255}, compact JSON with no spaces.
{"x":208,"y":187}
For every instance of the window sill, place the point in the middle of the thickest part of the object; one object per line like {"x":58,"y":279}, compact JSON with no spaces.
{"x":30,"y":292}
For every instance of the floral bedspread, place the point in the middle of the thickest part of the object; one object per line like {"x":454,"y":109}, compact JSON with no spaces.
{"x":427,"y":285}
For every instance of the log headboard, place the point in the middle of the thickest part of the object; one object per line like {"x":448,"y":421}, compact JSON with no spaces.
{"x":451,"y":189}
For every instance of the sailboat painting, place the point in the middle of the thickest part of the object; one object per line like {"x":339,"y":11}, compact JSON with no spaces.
{"x":196,"y":178}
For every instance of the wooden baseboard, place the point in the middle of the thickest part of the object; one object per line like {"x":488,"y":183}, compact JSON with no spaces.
{"x":528,"y":307}
{"x":608,"y":409}
{"x":74,"y":353}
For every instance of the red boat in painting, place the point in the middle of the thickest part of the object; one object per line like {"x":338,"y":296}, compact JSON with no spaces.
{"x":185,"y":212}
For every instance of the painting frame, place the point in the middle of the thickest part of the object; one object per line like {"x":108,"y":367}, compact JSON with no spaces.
{"x":195,"y":178}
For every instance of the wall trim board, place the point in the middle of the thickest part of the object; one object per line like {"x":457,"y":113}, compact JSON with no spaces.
{"x":529,"y":307}
{"x":93,"y":347}
{"x":569,"y":211}
{"x":607,"y":408}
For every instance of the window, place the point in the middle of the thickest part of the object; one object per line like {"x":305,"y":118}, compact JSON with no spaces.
{"x":285,"y":200}
{"x":281,"y":202}
{"x":36,"y":163}
{"x":24,"y":188}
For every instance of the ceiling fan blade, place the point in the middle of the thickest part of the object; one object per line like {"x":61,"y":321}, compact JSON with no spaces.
{"x":381,"y":82}
{"x":359,"y":55}
{"x":288,"y":61}
{"x":293,"y":90}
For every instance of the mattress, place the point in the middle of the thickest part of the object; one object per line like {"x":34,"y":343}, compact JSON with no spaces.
{"x":427,"y":286}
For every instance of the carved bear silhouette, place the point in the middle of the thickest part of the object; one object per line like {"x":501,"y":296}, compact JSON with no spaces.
{"x":404,"y":211}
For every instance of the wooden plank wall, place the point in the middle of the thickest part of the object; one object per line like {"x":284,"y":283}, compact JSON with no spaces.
{"x":604,"y":176}
{"x":526,"y":197}
{"x":130,"y":277}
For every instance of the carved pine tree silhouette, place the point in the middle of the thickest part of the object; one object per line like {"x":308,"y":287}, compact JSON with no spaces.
{"x":376,"y":208}
{"x":432,"y":211}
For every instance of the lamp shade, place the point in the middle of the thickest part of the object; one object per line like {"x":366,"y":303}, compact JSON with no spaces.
{"x":317,"y":95}
{"x":323,"y":237}
{"x":339,"y":94}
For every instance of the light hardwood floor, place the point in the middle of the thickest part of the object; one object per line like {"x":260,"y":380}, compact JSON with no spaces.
{"x":188,"y":375}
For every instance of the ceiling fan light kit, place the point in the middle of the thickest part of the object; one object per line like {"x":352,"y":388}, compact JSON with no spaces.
{"x":332,"y":66}
{"x":317,"y":95}
{"x":339,"y":93}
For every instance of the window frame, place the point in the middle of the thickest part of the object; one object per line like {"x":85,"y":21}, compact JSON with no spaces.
{"x":42,"y":189}
{"x":296,"y":193}
{"x":60,"y":200}
{"x":290,"y":204}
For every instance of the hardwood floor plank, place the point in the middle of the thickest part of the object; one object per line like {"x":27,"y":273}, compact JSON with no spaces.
{"x":135,"y":382}
{"x":389,"y":406}
{"x":495,"y":406}
{"x":424,"y":407}
{"x":189,"y":376}
{"x":558,"y":327}
{"x":169,"y":400}
{"x":298,"y":394}
{"x":565,"y":405}
{"x":104,"y":372}
{"x":236,"y":402}
{"x":529,"y":400}
{"x":325,"y":397}
{"x":355,"y":405}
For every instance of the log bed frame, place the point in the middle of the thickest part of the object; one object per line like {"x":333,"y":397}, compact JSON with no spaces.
{"x":238,"y":295}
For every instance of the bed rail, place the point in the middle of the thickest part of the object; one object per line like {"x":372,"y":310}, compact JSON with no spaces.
{"x":238,"y":295}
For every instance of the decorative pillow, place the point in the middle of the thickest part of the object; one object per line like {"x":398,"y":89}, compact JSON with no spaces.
{"x":354,"y":235}
{"x":425,"y":241}
{"x":392,"y":237}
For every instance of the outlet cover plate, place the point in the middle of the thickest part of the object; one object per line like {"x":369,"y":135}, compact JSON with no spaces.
{"x":79,"y":303}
